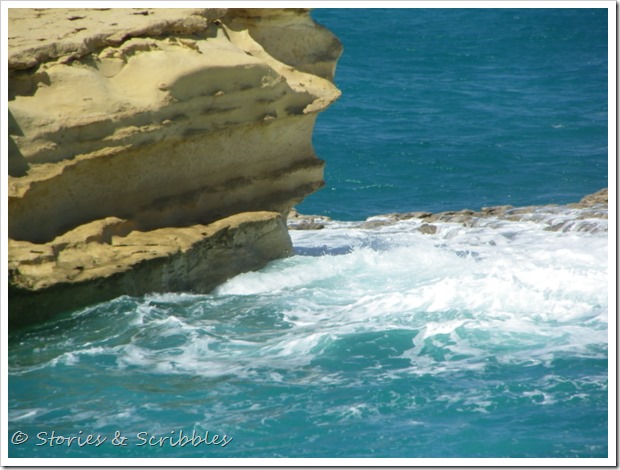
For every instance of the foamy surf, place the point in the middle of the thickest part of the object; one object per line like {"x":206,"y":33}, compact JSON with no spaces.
{"x":389,"y":327}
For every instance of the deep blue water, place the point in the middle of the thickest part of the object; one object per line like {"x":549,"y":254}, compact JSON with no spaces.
{"x":481,"y":341}
{"x":448,"y":109}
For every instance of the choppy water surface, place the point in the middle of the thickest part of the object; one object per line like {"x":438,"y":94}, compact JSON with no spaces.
{"x":483,"y":341}
{"x":488,"y":341}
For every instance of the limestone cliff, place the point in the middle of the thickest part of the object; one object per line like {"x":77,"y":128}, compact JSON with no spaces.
{"x":139,"y":136}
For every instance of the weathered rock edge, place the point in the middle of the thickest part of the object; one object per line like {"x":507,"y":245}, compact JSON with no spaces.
{"x":94,"y":263}
{"x":156,"y":149}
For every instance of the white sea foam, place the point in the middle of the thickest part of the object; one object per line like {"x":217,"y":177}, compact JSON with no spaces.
{"x":507,"y":290}
{"x":512,"y":292}
{"x":24,"y":415}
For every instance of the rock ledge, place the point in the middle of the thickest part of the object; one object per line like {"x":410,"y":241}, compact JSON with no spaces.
{"x":156,"y":149}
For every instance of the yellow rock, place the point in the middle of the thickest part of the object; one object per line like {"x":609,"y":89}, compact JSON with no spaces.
{"x":134,"y":128}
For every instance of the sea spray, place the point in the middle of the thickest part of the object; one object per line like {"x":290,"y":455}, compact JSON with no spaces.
{"x":491,"y":339}
{"x":485,"y":339}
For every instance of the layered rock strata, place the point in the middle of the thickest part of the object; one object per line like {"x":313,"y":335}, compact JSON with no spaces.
{"x":99,"y":261}
{"x":139,"y":136}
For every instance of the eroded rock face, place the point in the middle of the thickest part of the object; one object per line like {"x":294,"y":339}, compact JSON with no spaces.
{"x":130,"y":121}
{"x":100,"y":261}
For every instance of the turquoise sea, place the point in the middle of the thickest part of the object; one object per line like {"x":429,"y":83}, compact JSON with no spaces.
{"x":489,"y":340}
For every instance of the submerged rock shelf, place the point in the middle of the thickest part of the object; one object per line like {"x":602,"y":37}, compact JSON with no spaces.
{"x":580,"y":216}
